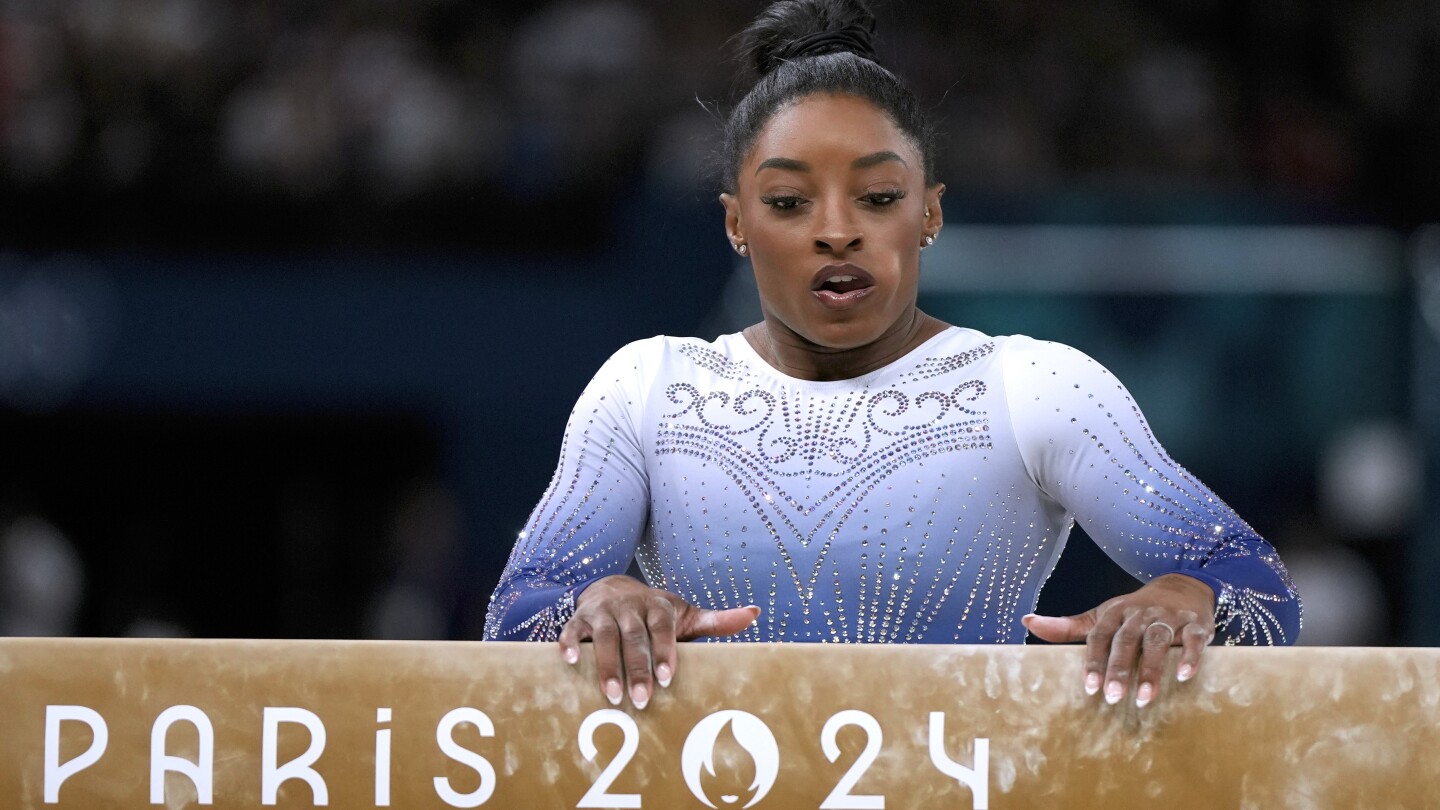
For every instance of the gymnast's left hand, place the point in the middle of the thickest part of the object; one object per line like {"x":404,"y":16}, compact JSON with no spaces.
{"x":1136,"y":631}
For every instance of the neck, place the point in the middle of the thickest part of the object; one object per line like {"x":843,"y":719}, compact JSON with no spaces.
{"x":793,"y":355}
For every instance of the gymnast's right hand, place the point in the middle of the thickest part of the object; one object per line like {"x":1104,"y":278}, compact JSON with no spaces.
{"x":634,"y":628}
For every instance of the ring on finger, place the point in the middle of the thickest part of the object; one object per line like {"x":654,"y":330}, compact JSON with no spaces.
{"x":1164,"y":625}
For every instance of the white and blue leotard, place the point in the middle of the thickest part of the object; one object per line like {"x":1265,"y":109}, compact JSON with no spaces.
{"x":927,"y":501}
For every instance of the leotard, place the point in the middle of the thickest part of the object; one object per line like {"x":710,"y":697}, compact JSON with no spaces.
{"x":927,"y":501}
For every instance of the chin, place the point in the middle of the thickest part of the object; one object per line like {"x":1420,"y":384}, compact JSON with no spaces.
{"x":845,"y":335}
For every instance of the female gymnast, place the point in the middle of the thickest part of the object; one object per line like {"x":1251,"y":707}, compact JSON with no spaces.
{"x":851,"y":469}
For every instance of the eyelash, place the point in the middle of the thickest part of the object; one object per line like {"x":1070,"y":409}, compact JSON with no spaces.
{"x":877,"y":199}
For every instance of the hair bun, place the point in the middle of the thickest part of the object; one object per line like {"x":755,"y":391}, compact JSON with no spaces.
{"x":791,"y":29}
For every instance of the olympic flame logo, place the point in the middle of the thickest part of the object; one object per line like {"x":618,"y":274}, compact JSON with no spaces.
{"x":748,"y":747}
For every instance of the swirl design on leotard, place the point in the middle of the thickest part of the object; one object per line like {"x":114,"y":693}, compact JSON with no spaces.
{"x":855,"y":437}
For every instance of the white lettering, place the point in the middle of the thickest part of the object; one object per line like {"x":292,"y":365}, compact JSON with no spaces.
{"x":382,"y":760}
{"x":56,"y":773}
{"x":599,"y":794}
{"x":445,"y":736}
{"x":978,"y":778}
{"x":841,"y":798}
{"x":200,"y":772}
{"x":271,"y":776}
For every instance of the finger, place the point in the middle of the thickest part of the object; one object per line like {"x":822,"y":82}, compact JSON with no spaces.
{"x":606,"y":638}
{"x":1097,"y":647}
{"x":1155,"y":642}
{"x":661,"y":620}
{"x":1193,"y":638}
{"x":575,"y":631}
{"x":635,"y":650}
{"x":697,"y":622}
{"x":1059,"y":629}
{"x":1124,"y":649}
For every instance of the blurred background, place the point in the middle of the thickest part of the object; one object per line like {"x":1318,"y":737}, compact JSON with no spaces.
{"x":295,"y":296}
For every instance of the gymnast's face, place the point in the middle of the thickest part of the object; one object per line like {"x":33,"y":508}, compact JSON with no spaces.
{"x":832,"y":205}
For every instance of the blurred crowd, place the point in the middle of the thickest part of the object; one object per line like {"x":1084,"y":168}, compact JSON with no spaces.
{"x":191,"y":128}
{"x":257,"y":123}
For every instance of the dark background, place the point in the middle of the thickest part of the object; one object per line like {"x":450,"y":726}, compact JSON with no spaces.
{"x":295,"y":297}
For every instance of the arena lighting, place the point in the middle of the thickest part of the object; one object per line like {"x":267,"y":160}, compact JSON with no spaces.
{"x":1166,"y":260}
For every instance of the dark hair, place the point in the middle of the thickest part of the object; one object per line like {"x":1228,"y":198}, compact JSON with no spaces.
{"x":797,"y":48}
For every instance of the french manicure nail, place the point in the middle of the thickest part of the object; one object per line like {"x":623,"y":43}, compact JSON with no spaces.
{"x":662,"y":674}
{"x":1143,"y":695}
{"x":612,"y":691}
{"x":1092,"y":683}
{"x":572,"y":655}
{"x":1113,"y":692}
{"x":1184,"y":673}
{"x":640,"y":695}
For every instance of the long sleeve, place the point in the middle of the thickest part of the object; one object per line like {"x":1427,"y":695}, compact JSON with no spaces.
{"x":589,"y":520}
{"x":1086,"y":444}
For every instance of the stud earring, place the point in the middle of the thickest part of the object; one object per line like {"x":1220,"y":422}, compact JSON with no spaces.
{"x":927,"y":213}
{"x":742,"y":248}
{"x":928,"y":240}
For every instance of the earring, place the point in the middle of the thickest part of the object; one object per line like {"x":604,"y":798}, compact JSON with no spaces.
{"x":742,"y":248}
{"x":927,"y":213}
{"x":928,"y":240}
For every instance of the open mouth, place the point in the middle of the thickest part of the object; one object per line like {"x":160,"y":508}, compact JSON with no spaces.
{"x":844,"y":283}
{"x":841,"y":285}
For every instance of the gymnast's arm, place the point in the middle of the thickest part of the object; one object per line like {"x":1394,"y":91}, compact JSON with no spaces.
{"x":565,"y":580}
{"x":1088,"y":446}
{"x":589,"y":520}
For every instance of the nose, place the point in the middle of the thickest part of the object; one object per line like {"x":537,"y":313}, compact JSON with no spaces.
{"x":838,"y":229}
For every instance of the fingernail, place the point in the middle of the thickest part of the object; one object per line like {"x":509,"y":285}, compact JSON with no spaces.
{"x":1143,"y":695}
{"x":1184,"y":673}
{"x":572,"y":655}
{"x":1092,"y":683}
{"x":612,"y":691}
{"x":1113,"y":692}
{"x":662,"y":674}
{"x":640,"y":695}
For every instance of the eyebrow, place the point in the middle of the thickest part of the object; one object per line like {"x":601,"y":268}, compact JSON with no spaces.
{"x":876,"y":159}
{"x":864,"y":162}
